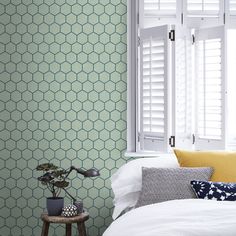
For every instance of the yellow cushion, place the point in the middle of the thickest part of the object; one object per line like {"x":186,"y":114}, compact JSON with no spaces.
{"x":223,"y":163}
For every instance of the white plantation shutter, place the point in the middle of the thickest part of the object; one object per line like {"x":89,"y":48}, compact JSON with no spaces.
{"x":159,"y":12}
{"x":158,"y":8}
{"x":231,"y":85}
{"x":203,"y":13}
{"x":182,"y":58}
{"x":154,"y":88}
{"x":210,"y":70}
{"x":232,"y":7}
{"x":203,"y":7}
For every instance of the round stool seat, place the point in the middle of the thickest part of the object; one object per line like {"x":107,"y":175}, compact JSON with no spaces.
{"x":79,"y":220}
{"x":65,"y":220}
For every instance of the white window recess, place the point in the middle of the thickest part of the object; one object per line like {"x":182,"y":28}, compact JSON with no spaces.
{"x":203,"y":13}
{"x":182,"y":88}
{"x":154,"y":89}
{"x":159,"y":12}
{"x":188,"y":104}
{"x":211,"y":88}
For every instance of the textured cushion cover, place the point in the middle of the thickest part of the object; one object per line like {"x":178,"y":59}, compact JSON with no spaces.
{"x":163,"y":184}
{"x":223,"y":163}
{"x":214,"y":190}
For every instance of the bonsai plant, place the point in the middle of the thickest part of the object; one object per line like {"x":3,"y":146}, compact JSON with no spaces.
{"x":55,"y":179}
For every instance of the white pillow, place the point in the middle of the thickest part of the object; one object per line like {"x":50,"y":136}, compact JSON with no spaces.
{"x":126,"y":182}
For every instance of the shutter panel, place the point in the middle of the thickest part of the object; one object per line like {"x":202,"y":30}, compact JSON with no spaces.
{"x":182,"y":59}
{"x":154,"y":88}
{"x":231,"y":85}
{"x":203,"y":13}
{"x":198,"y":8}
{"x":159,"y":12}
{"x":210,"y":70}
{"x":158,"y":8}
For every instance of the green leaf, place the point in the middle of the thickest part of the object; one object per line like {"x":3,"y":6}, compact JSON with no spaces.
{"x":61,"y":184}
{"x":59,"y":173}
{"x":47,"y":177}
{"x":46,"y":167}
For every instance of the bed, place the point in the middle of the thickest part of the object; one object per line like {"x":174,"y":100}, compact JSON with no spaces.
{"x":189,"y":216}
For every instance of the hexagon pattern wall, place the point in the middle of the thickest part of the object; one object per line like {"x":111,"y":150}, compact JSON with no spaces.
{"x":62,"y":99}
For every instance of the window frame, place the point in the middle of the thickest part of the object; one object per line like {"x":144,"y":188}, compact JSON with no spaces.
{"x":132,"y":60}
{"x":134,"y":22}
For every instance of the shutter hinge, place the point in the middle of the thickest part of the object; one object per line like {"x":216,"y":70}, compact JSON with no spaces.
{"x":182,"y":18}
{"x":138,"y":137}
{"x":138,"y":41}
{"x":138,"y":18}
{"x":224,"y":19}
{"x":172,"y":35}
{"x":194,"y":139}
{"x":193,"y":38}
{"x":172,"y":141}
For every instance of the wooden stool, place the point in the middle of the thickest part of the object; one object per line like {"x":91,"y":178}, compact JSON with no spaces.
{"x":79,"y":219}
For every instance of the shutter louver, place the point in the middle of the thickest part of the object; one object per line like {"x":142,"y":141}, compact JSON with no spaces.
{"x":153,"y":88}
{"x":204,"y":8}
{"x":159,"y":8}
{"x":153,"y":85}
{"x":210,"y":100}
{"x":159,"y":12}
{"x":210,"y":92}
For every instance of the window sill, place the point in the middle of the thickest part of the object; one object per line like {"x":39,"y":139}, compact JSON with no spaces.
{"x":146,"y":154}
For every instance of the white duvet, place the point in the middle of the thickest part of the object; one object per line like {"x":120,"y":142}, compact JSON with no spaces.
{"x":189,"y":217}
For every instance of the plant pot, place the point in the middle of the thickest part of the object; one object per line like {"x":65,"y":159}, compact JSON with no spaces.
{"x":55,"y":205}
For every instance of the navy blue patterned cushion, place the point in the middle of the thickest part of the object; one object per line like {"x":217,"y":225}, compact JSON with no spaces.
{"x":214,"y":190}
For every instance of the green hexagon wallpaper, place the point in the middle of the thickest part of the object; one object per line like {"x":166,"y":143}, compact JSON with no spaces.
{"x":63,"y":100}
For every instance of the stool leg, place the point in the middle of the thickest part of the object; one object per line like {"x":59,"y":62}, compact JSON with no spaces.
{"x":81,"y":229}
{"x":68,"y":229}
{"x":45,"y":229}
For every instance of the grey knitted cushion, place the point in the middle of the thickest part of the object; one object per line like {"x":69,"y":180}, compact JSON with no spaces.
{"x":163,"y":184}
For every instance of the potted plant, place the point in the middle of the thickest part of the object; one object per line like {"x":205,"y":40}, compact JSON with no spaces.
{"x":55,"y":179}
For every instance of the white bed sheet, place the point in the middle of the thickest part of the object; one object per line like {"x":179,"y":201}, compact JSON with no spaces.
{"x":188,"y":217}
